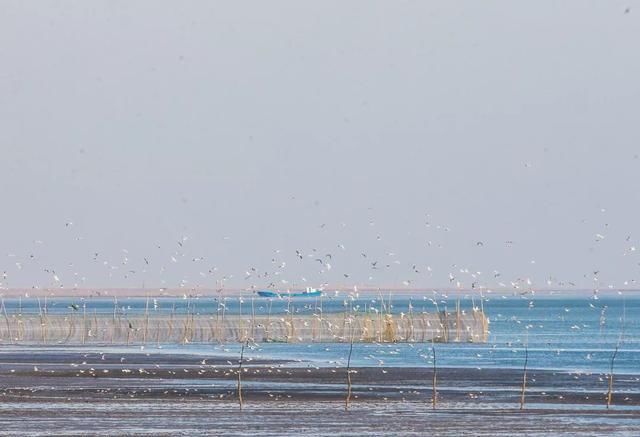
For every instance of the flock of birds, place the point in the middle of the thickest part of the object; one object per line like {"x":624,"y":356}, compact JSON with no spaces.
{"x":328,"y":263}
{"x":341,"y":268}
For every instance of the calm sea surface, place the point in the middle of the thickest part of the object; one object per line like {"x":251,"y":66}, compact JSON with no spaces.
{"x":576,"y":334}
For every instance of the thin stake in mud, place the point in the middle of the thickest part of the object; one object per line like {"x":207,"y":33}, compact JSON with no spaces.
{"x":46,"y":320}
{"x":253,"y":320}
{"x":524,"y":377}
{"x":113,"y":320}
{"x":146,"y":322}
{"x":348,"y":399}
{"x":615,"y":352}
{"x":610,"y":390}
{"x":434,"y":381}
{"x":240,"y":400}
{"x":84,"y":321}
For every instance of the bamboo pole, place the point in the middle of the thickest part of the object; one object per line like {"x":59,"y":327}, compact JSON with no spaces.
{"x":178,"y":326}
{"x":158,"y":335}
{"x":524,"y":377}
{"x":348,"y":398}
{"x":212,"y":327}
{"x":192,"y":328}
{"x":610,"y":390}
{"x":314,"y":321}
{"x":321,"y":319}
{"x":434,"y":380}
{"x":42,"y":322}
{"x":241,"y":336}
{"x":291,"y":326}
{"x":615,"y":352}
{"x":95,"y":321}
{"x":84,"y":322}
{"x":185,"y":324}
{"x":268,"y":324}
{"x":173,"y":312}
{"x":6,"y":318}
{"x":344,"y":321}
{"x":217,"y":329}
{"x":458,"y":323}
{"x":380,"y":318}
{"x":240,"y":400}
{"x":129,"y":333}
{"x":253,"y":319}
{"x":113,"y":320}
{"x":46,"y":320}
{"x":71,"y":330}
{"x":485,"y":321}
{"x":146,"y":322}
{"x":446,"y":325}
{"x":224,"y":309}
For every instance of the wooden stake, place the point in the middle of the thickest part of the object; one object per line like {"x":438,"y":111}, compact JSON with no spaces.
{"x":241,"y":335}
{"x":223,"y":330}
{"x":321,"y":315}
{"x":434,"y":381}
{"x":42,"y":324}
{"x":173,"y":312}
{"x":458,"y":323}
{"x":84,"y":321}
{"x":240,"y":401}
{"x":268,"y":325}
{"x":146,"y":322}
{"x":95,"y":321}
{"x":292,"y":331}
{"x":253,"y":320}
{"x":46,"y":320}
{"x":348,"y":399}
{"x":6,"y":318}
{"x":113,"y":321}
{"x":130,"y":328}
{"x":610,"y":391}
{"x":524,"y":377}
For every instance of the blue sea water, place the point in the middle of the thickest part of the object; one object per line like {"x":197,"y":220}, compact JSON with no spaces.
{"x":566,"y":333}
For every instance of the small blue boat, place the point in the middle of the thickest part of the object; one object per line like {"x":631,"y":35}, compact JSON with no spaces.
{"x":309,"y":292}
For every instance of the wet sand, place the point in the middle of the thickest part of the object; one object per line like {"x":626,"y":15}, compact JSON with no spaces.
{"x":68,"y":391}
{"x":142,"y":417}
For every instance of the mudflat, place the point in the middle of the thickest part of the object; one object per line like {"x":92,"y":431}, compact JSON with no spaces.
{"x":79,"y":392}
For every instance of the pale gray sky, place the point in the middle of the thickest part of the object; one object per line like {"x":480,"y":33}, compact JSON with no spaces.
{"x":254,"y":126}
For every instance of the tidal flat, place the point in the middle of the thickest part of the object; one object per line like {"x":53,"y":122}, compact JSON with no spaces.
{"x":83,"y":391}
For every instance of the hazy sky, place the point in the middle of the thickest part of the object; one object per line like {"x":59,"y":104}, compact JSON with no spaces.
{"x":408,"y":131}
